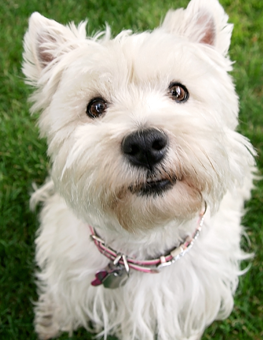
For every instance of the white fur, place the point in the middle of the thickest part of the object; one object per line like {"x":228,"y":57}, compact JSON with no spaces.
{"x":90,"y":178}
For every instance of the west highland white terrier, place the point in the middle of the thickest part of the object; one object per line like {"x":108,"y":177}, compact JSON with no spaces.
{"x":141,"y":132}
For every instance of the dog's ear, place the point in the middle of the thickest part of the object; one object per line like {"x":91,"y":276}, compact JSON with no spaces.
{"x":203,"y":21}
{"x":45,"y":42}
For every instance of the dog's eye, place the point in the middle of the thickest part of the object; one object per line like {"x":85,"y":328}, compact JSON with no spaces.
{"x":178,"y":92}
{"x":96,"y":107}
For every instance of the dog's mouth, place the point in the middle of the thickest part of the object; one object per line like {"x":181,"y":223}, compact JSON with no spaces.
{"x":153,"y":187}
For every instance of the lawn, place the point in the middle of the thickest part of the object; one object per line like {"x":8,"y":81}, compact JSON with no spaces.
{"x":23,"y":159}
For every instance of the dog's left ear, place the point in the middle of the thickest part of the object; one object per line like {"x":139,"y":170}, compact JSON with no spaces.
{"x":45,"y":42}
{"x":203,"y":21}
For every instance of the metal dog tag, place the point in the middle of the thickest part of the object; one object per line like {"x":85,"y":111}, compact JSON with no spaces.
{"x":115,"y":279}
{"x":113,"y":276}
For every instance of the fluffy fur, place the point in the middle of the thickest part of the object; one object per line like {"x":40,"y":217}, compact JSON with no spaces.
{"x":91,"y":180}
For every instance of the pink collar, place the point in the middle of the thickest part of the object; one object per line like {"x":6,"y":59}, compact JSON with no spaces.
{"x":146,"y":266}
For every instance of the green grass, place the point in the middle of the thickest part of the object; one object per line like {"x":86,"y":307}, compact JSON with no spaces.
{"x":23,"y":159}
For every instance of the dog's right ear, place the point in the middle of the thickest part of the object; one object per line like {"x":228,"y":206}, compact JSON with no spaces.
{"x":45,"y":42}
{"x":204,"y":22}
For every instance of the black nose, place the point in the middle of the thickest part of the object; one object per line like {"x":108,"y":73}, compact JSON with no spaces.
{"x":145,"y":148}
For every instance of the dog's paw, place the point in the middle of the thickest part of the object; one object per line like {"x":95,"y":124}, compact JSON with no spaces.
{"x":45,"y":324}
{"x":194,"y":337}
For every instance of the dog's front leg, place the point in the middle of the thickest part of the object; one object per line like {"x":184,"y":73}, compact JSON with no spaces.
{"x":46,"y":322}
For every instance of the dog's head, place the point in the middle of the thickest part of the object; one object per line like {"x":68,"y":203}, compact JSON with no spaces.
{"x":140,"y":128}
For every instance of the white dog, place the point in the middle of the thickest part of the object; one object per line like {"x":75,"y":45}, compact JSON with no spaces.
{"x":141,"y":134}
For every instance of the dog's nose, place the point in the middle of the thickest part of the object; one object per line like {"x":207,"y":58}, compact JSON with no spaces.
{"x":145,"y":148}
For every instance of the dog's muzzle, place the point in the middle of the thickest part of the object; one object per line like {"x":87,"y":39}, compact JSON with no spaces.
{"x":146,"y":149}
